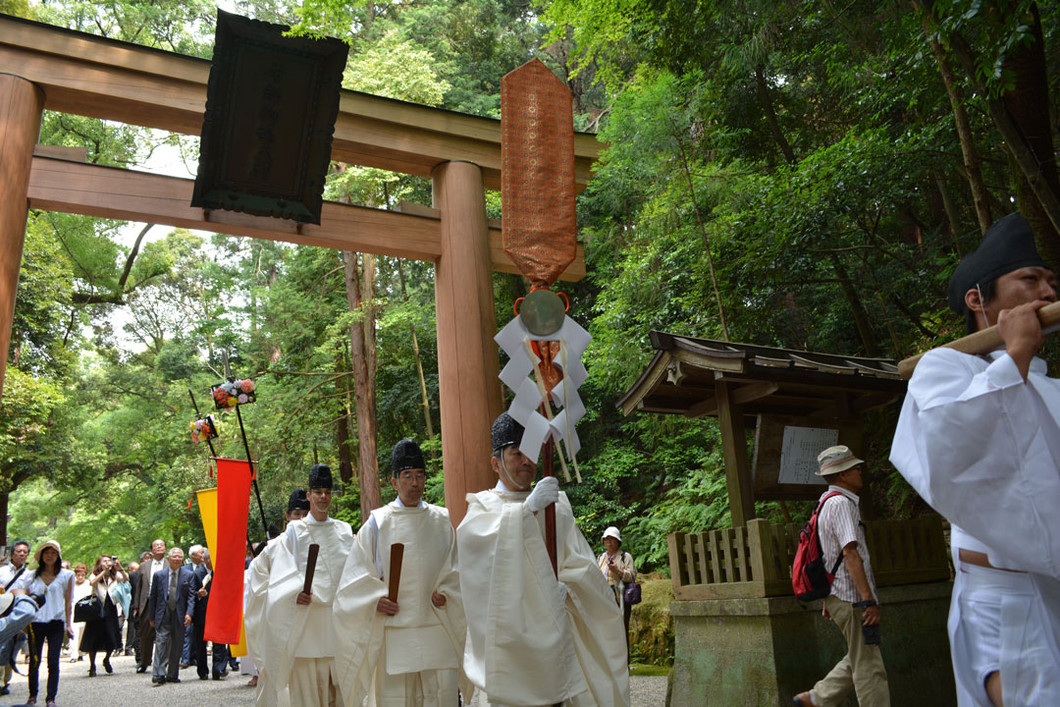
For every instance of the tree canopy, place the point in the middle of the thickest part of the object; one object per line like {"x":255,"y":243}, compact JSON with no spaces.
{"x":793,"y":174}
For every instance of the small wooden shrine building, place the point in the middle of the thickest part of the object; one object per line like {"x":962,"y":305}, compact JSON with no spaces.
{"x":741,"y":637}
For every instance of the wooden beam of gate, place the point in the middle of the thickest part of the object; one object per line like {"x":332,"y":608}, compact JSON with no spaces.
{"x":103,"y":78}
{"x":111,"y":192}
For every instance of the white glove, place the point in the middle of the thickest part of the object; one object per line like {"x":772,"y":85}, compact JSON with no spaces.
{"x":545,"y":491}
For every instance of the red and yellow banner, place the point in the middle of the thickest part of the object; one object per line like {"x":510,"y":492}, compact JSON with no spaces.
{"x":224,"y":521}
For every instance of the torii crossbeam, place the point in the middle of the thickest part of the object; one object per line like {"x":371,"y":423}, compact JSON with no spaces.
{"x":71,"y":72}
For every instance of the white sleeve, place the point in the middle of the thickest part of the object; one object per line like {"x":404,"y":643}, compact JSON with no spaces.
{"x":372,"y":541}
{"x":25,"y":580}
{"x":292,"y":537}
{"x":978,"y":444}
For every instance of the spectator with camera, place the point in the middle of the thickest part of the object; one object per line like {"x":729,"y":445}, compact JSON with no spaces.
{"x":620,"y":572}
{"x":103,"y":634}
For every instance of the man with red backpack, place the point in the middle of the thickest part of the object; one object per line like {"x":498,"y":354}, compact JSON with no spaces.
{"x":852,"y":604}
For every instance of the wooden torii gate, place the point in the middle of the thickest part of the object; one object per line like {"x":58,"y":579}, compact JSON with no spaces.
{"x":71,"y":72}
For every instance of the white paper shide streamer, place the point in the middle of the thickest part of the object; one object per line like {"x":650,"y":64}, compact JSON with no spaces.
{"x":519,"y":375}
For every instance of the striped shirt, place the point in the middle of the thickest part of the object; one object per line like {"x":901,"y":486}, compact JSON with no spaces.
{"x":839,"y":524}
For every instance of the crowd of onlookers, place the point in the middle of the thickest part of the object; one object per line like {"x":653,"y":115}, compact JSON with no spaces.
{"x":155,"y":609}
{"x":110,"y":609}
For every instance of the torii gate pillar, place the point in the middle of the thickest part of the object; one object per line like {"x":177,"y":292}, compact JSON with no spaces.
{"x":21,"y":107}
{"x":468,"y":363}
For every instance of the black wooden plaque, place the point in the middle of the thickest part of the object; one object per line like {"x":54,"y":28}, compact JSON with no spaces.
{"x":271,"y":106}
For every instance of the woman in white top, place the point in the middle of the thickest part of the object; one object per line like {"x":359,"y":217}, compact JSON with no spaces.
{"x":52,"y":620}
{"x":82,"y":588}
{"x":104,"y":634}
{"x":619,"y":570}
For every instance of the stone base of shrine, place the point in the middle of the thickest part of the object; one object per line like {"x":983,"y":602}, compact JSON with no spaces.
{"x":763,"y":651}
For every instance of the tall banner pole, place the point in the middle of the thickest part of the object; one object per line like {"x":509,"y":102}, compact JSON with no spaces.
{"x":253,"y":473}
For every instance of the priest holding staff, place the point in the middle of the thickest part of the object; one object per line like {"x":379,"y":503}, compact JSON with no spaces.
{"x":289,"y":620}
{"x":979,"y":439}
{"x":535,"y":639}
{"x":400,"y":622}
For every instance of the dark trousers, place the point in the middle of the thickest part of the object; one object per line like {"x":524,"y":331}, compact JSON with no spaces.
{"x":52,"y":632}
{"x":132,"y":638}
{"x":198,"y":643}
{"x":147,"y":639}
{"x":220,"y":656}
{"x":627,"y":611}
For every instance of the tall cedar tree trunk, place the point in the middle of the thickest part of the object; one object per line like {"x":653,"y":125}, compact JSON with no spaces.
{"x":15,"y":479}
{"x":953,"y":215}
{"x":360,"y":296}
{"x":1028,"y":104}
{"x":861,"y":317}
{"x":424,"y":400}
{"x":972,"y":164}
{"x":1021,"y":115}
{"x":342,"y":424}
{"x":765,"y":100}
{"x":702,"y":227}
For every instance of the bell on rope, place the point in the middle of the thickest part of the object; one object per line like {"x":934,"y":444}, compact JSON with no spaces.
{"x":542,"y":312}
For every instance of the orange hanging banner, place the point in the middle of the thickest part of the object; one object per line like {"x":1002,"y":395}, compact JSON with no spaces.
{"x":537,"y":173}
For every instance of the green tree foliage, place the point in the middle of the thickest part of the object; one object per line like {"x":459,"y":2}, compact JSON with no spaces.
{"x":174,"y":25}
{"x":395,"y":68}
{"x":809,"y":149}
{"x":816,"y":147}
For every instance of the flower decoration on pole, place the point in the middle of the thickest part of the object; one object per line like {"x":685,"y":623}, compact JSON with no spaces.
{"x":232,"y":392}
{"x":203,"y":429}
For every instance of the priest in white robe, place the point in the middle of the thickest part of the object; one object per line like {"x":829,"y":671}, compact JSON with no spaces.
{"x":534,"y":640}
{"x":979,"y":440}
{"x":297,"y":509}
{"x":291,"y":634}
{"x":403,"y":653}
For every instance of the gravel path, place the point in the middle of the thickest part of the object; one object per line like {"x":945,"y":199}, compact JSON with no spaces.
{"x":126,"y":686}
{"x":647,"y":691}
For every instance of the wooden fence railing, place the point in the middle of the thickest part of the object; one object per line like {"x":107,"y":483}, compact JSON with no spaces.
{"x":755,"y":561}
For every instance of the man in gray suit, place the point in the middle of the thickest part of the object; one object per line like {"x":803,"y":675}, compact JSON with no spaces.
{"x":148,"y":567}
{"x":198,"y":566}
{"x":172,"y":603}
